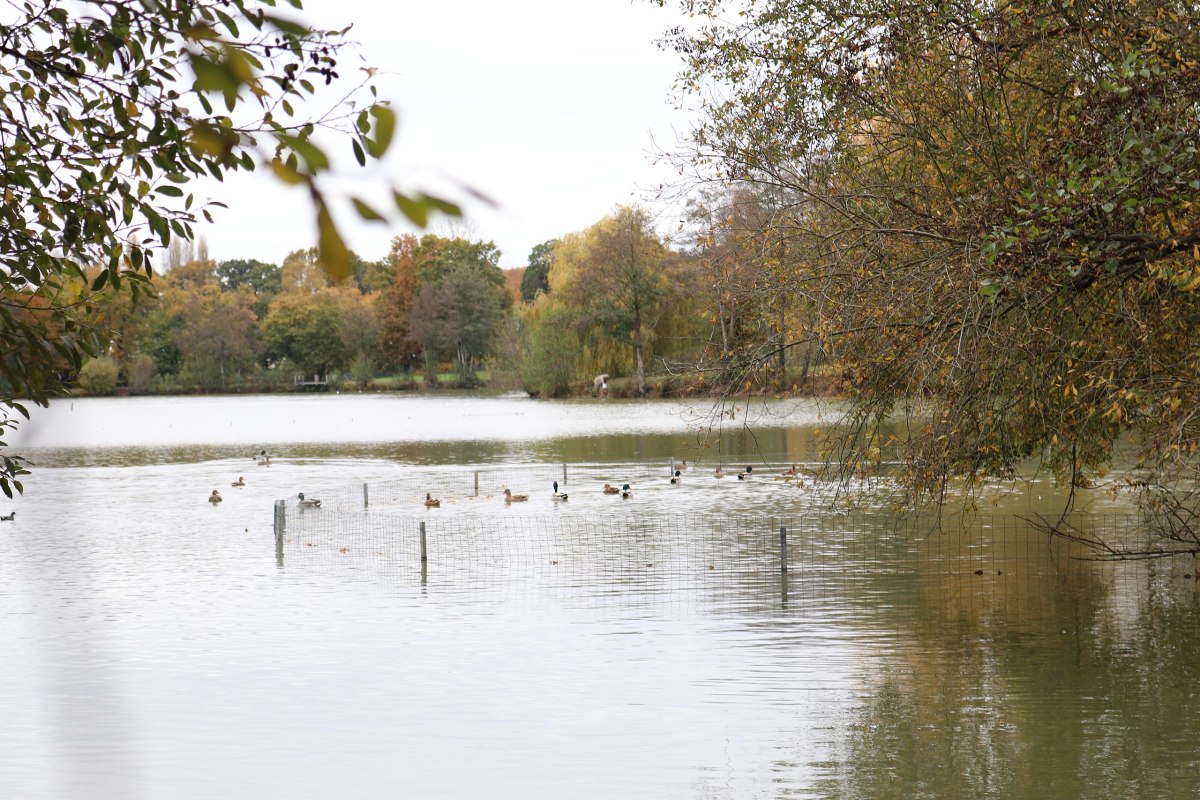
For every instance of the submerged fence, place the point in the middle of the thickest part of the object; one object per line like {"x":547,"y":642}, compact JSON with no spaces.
{"x":835,"y":543}
{"x":770,"y":542}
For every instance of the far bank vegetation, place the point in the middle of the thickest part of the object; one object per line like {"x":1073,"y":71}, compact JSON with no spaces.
{"x":618,"y":299}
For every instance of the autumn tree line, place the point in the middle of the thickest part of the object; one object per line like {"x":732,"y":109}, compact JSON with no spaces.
{"x":616,"y":299}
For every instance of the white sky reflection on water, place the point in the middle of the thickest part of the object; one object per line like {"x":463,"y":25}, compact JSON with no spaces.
{"x":162,"y":422}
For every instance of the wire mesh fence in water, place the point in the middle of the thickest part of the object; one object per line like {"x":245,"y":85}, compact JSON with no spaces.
{"x":774,"y":559}
{"x":672,"y":543}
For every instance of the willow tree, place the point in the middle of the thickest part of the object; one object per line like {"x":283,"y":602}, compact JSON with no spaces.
{"x":110,"y":111}
{"x":994,"y":216}
{"x":618,"y":283}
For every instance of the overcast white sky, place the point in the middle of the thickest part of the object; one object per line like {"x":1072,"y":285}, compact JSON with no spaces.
{"x":549,"y":107}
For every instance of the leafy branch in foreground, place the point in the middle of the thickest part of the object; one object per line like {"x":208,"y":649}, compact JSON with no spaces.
{"x":110,"y":112}
{"x":991,"y":223}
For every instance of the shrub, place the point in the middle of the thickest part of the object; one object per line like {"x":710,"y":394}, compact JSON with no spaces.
{"x":99,"y":376}
{"x":139,"y":370}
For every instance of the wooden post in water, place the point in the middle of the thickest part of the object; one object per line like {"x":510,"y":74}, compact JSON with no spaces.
{"x":782,"y":548}
{"x":477,"y":483}
{"x":424,"y":552}
{"x":366,"y":499}
{"x":564,"y":474}
{"x":279,"y":526}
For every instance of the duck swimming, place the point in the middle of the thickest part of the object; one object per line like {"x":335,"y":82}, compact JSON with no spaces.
{"x":609,"y":489}
{"x":9,"y":517}
{"x":431,"y":501}
{"x":681,"y":466}
{"x":675,"y":477}
{"x":625,"y":492}
{"x":239,"y":482}
{"x":310,"y":502}
{"x":262,"y":459}
{"x":557,"y":494}
{"x":509,"y":497}
{"x":718,"y":473}
{"x":215,"y":497}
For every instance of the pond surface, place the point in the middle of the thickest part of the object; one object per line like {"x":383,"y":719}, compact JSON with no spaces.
{"x":646,"y":647}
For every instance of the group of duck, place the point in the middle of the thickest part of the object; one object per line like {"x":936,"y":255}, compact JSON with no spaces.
{"x":745,"y":475}
{"x":261,"y":460}
{"x":509,"y":497}
{"x":264,"y":460}
{"x":623,"y":489}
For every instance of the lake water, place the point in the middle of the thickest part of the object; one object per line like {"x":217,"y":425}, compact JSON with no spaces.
{"x":156,"y":646}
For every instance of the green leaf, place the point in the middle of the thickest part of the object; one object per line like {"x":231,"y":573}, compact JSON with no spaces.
{"x":287,"y":26}
{"x":366,"y":212}
{"x":384,"y":127}
{"x":286,"y":173}
{"x":213,"y":76}
{"x":334,"y":255}
{"x":414,"y":210}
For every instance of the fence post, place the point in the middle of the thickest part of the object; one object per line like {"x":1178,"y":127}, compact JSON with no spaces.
{"x":366,"y":499}
{"x":424,"y":552}
{"x":279,"y":506}
{"x":783,"y":548}
{"x":280,"y":523}
{"x":564,"y":474}
{"x":477,"y":483}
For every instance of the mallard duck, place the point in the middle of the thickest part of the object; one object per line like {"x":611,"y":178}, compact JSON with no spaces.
{"x":310,"y":502}
{"x":431,"y":501}
{"x":610,"y":489}
{"x":509,"y":497}
{"x":793,"y":472}
{"x":557,"y":494}
{"x":215,"y":497}
{"x":625,"y":492}
{"x":262,"y":459}
{"x":681,"y":466}
{"x":718,"y":473}
{"x":9,"y":517}
{"x":675,"y":478}
{"x":239,"y":482}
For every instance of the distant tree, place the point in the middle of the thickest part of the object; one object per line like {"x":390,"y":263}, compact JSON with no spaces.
{"x":373,"y":276}
{"x":536,"y":277}
{"x":305,"y":330}
{"x":193,"y":274}
{"x":360,"y":326}
{"x":219,"y":329}
{"x":396,"y":342}
{"x":456,"y":317}
{"x":436,"y":257}
{"x":552,"y":357}
{"x":261,"y":277}
{"x":620,"y":285}
{"x":159,"y":339}
{"x":301,"y":271}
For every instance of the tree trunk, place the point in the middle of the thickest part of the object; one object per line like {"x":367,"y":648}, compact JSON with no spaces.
{"x":638,"y":349}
